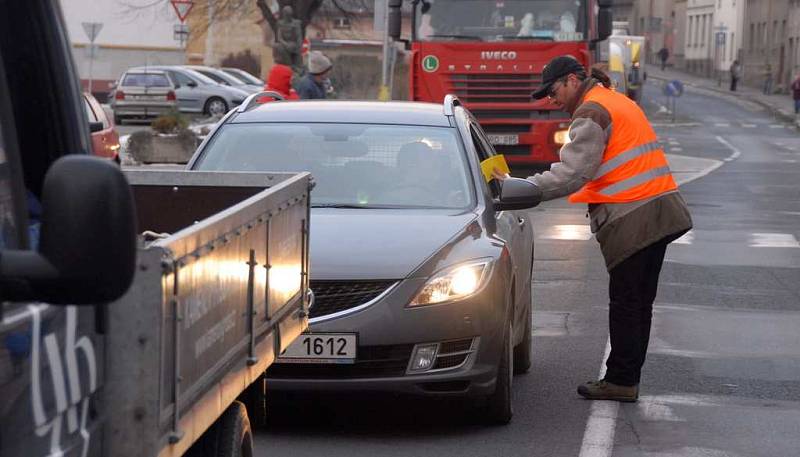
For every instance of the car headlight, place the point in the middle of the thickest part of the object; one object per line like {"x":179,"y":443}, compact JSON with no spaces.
{"x":454,"y":283}
{"x":561,"y":137}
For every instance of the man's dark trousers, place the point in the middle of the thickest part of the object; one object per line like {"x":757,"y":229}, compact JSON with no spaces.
{"x":632,"y":290}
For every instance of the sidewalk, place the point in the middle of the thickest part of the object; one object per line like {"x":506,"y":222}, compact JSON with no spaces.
{"x":780,"y":105}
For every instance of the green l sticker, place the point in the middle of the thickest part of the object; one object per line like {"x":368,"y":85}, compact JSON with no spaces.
{"x":430,"y":63}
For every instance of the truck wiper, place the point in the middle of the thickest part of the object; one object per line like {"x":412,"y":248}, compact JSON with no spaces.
{"x":458,"y":37}
{"x":531,"y":38}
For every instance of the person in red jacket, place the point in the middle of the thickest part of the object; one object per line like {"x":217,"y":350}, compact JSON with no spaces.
{"x":280,"y":81}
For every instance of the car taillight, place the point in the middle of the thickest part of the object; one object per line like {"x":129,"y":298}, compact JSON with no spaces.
{"x":119,"y":95}
{"x":170,"y":96}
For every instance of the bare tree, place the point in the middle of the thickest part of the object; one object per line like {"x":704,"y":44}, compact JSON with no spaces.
{"x":223,"y":10}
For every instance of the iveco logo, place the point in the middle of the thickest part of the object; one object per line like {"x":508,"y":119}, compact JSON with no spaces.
{"x":498,"y":55}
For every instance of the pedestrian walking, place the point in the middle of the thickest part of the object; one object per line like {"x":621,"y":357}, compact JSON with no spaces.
{"x":796,"y":94}
{"x":767,"y":80}
{"x":313,"y":84}
{"x":634,"y":206}
{"x":736,"y":73}
{"x":663,"y":54}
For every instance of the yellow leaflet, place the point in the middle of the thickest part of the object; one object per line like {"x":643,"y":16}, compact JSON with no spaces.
{"x":491,"y":163}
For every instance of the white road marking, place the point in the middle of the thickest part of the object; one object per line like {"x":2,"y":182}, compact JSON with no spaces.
{"x":736,"y":152}
{"x":777,"y":126}
{"x":749,"y":126}
{"x":773,"y":240}
{"x":687,"y":238}
{"x":722,"y":124}
{"x":675,"y":149}
{"x":568,"y":232}
{"x":598,"y":437}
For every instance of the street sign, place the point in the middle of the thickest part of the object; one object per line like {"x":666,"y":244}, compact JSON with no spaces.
{"x":182,"y":8}
{"x":92,"y":29}
{"x":180,"y":32}
{"x":673,"y":89}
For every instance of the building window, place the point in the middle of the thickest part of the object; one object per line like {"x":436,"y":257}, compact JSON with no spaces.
{"x":733,"y":44}
{"x":752,"y":37}
{"x":341,"y":23}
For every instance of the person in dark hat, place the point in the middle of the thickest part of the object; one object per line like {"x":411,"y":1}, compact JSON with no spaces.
{"x":614,"y":163}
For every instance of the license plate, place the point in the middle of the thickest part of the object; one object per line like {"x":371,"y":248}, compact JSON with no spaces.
{"x":321,"y":348}
{"x":504,"y":139}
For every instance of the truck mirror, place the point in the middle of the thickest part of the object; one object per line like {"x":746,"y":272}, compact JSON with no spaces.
{"x":87,"y":249}
{"x":517,"y":193}
{"x":395,"y":19}
{"x":604,"y":26}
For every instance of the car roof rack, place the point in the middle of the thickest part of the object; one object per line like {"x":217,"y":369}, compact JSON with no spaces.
{"x":250,"y":101}
{"x":450,"y":102}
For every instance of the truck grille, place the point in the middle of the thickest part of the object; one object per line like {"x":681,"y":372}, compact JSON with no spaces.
{"x":371,"y":362}
{"x":335,"y":296}
{"x":494,"y":87}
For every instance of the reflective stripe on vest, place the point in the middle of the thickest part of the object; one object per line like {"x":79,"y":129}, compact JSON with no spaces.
{"x":634,"y":166}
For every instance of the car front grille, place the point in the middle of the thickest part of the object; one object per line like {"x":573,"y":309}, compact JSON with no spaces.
{"x":336,"y":296}
{"x":371,"y":362}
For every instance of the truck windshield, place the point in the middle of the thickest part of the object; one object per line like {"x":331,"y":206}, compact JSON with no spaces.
{"x":354,"y":165}
{"x":502,"y":20}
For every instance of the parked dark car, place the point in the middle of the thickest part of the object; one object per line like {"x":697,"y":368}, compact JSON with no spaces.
{"x":421,"y":275}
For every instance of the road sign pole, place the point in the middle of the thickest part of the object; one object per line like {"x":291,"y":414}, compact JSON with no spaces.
{"x":92,"y":29}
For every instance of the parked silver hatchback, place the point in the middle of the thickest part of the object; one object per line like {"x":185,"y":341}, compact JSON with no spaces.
{"x":143,"y":94}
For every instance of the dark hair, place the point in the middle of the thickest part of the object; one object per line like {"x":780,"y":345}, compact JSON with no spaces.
{"x":597,"y":74}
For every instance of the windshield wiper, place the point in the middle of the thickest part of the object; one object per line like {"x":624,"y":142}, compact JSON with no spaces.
{"x":367,"y":206}
{"x":532,"y":38}
{"x":458,"y":37}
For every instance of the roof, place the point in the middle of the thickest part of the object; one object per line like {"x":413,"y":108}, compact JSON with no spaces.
{"x":366,"y":112}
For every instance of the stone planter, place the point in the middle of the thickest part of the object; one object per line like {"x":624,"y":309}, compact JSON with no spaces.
{"x":149,"y":147}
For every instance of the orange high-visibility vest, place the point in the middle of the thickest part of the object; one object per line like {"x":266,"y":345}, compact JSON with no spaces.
{"x":634,"y":166}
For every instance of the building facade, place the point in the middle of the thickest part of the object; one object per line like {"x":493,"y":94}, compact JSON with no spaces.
{"x":768,"y":55}
{"x":129,"y":36}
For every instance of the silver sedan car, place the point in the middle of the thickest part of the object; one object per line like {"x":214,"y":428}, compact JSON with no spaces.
{"x":142,"y":94}
{"x":198,"y":93}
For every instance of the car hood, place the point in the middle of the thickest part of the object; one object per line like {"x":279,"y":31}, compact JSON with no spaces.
{"x":378,"y":244}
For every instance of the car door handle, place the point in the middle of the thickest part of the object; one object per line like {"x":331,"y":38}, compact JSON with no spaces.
{"x":521,"y":222}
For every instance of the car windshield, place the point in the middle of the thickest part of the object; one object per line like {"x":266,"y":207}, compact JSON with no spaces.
{"x":354,"y":165}
{"x":244,"y":76}
{"x":502,"y":20}
{"x":199,"y":76}
{"x":146,"y":80}
{"x":221,"y":77}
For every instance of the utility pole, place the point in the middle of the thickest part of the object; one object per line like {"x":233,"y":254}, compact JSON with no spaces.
{"x":385,"y":93}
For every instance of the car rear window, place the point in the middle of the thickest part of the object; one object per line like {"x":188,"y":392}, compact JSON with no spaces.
{"x":146,"y":80}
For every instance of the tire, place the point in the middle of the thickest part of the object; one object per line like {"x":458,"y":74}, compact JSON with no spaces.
{"x":255,"y":399}
{"x":498,"y":409}
{"x":215,"y":106}
{"x":234,"y":437}
{"x":522,"y":352}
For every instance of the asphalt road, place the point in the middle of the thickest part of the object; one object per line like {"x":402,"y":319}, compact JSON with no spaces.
{"x":723,"y":372}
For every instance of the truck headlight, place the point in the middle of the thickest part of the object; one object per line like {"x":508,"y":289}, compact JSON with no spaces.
{"x":454,"y":283}
{"x":561,"y":137}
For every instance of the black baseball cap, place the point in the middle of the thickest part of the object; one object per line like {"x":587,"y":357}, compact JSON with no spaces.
{"x":556,"y":69}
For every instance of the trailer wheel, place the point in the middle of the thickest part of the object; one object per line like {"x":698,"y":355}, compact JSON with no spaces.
{"x":234,"y":437}
{"x":255,"y":399}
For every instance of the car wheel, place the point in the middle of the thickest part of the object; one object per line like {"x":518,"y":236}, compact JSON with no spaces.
{"x":215,"y":106}
{"x":522,"y":352}
{"x":498,"y":409}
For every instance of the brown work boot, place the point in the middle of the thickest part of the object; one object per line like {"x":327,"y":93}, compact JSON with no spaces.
{"x":604,"y":390}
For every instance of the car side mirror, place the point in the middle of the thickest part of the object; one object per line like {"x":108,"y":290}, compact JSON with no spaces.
{"x":517,"y":193}
{"x":191,"y":84}
{"x":87,"y":246}
{"x":95,"y":126}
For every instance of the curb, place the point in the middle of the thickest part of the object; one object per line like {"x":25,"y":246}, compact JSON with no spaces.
{"x":777,"y":112}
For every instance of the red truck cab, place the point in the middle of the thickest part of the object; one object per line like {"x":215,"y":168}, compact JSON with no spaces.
{"x":490,"y":53}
